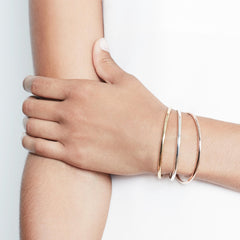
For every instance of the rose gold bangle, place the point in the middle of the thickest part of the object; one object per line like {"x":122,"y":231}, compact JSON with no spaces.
{"x":162,"y":143}
{"x":188,"y":180}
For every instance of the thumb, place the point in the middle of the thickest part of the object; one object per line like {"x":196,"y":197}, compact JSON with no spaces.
{"x":104,"y":65}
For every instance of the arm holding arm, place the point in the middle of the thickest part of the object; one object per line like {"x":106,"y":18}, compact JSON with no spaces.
{"x":124,"y":127}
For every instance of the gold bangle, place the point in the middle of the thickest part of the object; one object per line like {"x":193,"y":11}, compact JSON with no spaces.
{"x":162,"y":142}
{"x":188,"y":180}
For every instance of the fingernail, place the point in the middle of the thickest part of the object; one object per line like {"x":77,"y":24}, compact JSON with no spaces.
{"x":25,"y":119}
{"x":23,"y":135}
{"x":27,"y":83}
{"x":104,"y":45}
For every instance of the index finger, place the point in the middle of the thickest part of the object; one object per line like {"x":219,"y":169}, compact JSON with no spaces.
{"x":46,"y":87}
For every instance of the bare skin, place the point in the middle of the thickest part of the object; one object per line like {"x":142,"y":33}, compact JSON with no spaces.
{"x":59,"y":201}
{"x":115,"y":126}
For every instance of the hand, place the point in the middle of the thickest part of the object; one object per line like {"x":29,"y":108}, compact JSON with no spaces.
{"x":112,"y":126}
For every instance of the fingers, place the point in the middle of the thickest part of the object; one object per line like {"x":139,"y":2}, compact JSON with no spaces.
{"x":46,"y":87}
{"x":104,"y":65}
{"x":43,"y":147}
{"x":42,"y":129}
{"x":40,"y":108}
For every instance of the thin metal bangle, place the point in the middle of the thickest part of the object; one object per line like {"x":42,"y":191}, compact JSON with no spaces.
{"x":188,"y":180}
{"x":173,"y":174}
{"x":162,"y":142}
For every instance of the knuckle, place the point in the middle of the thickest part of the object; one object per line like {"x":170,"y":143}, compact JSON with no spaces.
{"x":74,"y":92}
{"x":131,"y":77}
{"x":66,"y":114}
{"x":61,"y":115}
{"x":77,"y":156}
{"x":82,"y":90}
{"x":67,"y":92}
{"x":105,"y":60}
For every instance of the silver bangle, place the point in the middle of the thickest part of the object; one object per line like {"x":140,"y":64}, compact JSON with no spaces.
{"x":162,"y":142}
{"x":188,"y":180}
{"x":174,"y":173}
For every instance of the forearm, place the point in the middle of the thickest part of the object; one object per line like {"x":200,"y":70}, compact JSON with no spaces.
{"x":220,"y":155}
{"x":63,"y":33}
{"x":59,"y":201}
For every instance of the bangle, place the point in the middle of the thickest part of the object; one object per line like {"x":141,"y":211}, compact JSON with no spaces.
{"x":188,"y":180}
{"x":173,"y":174}
{"x":162,"y":142}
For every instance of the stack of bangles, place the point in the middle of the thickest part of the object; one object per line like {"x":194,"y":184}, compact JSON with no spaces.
{"x":174,"y":173}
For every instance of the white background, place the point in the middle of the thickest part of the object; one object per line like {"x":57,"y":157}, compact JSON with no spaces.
{"x":188,"y":54}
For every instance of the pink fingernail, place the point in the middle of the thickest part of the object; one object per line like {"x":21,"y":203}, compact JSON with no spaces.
{"x":27,"y":83}
{"x":23,"y":135}
{"x":25,"y":119}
